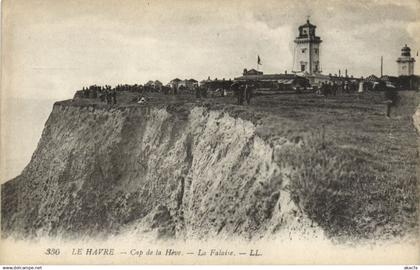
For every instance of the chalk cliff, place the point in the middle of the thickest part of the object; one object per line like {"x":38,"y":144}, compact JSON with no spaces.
{"x":187,"y":172}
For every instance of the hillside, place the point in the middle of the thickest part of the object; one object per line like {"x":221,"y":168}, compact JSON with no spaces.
{"x":181,"y":168}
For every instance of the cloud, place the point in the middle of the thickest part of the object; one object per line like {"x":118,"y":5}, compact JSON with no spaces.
{"x":60,"y":46}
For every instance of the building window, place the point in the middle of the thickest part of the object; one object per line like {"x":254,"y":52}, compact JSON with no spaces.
{"x":303,"y":50}
{"x":316,"y":51}
{"x":302,"y":67}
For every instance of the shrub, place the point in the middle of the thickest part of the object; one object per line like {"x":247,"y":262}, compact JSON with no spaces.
{"x":344,"y":191}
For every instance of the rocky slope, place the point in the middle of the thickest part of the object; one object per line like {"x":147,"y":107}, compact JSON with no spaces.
{"x":187,"y":172}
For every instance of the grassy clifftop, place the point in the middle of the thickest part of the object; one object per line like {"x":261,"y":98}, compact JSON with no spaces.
{"x":201,"y":168}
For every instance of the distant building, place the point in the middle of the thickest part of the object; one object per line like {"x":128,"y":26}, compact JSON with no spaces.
{"x":174,"y":83}
{"x":188,"y":84}
{"x":407,"y":80}
{"x":306,"y":55}
{"x":155,"y":84}
{"x":150,"y":83}
{"x":392,"y":79}
{"x":212,"y":85}
{"x":372,"y":78}
{"x":405,"y":62}
{"x":251,"y":72}
{"x":273,"y":82}
{"x":318,"y":79}
{"x":158,"y":84}
{"x":411,"y":82}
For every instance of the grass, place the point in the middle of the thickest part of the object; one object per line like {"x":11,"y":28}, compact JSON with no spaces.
{"x":356,"y":175}
{"x":349,"y":196}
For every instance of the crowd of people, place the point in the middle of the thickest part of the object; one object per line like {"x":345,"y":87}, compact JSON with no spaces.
{"x":104,"y":93}
{"x":332,"y":88}
{"x":243,"y":91}
{"x":108,"y":94}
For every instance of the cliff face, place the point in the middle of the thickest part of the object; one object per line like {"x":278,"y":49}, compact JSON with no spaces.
{"x":182,"y":173}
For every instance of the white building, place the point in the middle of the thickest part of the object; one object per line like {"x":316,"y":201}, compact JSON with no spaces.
{"x":306,"y":58}
{"x":405,"y":62}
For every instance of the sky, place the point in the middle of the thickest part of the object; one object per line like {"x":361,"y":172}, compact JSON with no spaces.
{"x":52,"y":48}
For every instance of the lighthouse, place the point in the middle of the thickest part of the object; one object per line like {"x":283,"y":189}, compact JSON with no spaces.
{"x":405,"y":62}
{"x":306,"y":59}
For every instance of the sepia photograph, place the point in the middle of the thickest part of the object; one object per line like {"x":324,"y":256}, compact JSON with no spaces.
{"x":210,"y":132}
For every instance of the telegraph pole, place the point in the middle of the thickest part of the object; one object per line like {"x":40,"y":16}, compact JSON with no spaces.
{"x":382,"y":66}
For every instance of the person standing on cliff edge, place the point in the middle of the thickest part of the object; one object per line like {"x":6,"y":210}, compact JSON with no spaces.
{"x":241,"y":94}
{"x":248,"y":93}
{"x":114,"y":96}
{"x":391,"y":98}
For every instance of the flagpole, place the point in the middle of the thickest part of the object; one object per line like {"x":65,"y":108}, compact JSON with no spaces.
{"x":258,"y":66}
{"x":258,"y":62}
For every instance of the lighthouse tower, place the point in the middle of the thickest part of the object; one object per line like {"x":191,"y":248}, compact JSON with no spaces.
{"x":307,"y":50}
{"x":405,"y":62}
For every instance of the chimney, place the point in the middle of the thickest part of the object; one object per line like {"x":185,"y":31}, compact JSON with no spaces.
{"x":346,"y":72}
{"x":339,"y":73}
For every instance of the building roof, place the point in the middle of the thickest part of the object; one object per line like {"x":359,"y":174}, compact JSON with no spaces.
{"x":405,"y":48}
{"x":389,"y":78}
{"x":192,"y":80}
{"x":267,"y":77}
{"x":406,"y":51}
{"x":252,"y":71}
{"x":372,"y":78}
{"x":285,"y":81}
{"x":176,"y":80}
{"x":307,"y":24}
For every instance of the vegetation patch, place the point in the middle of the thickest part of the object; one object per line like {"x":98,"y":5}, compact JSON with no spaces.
{"x":347,"y":193}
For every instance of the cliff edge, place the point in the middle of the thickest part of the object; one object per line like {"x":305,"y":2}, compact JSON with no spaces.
{"x":197,"y":171}
{"x":189,"y":173}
